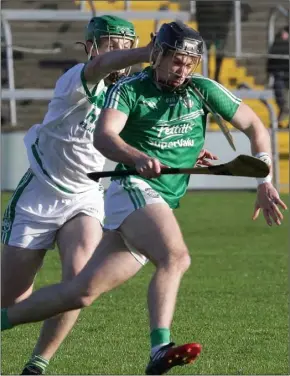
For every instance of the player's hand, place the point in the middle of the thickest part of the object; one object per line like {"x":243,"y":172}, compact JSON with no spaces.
{"x":203,"y":157}
{"x":268,"y":201}
{"x":148,"y":167}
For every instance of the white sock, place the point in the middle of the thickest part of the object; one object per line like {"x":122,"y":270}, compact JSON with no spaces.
{"x":157,"y":348}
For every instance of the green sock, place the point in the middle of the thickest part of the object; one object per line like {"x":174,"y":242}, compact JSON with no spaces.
{"x":159,"y":336}
{"x":38,"y":361}
{"x":5,"y":324}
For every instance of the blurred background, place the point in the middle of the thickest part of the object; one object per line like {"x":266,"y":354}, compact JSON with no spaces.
{"x":247,"y":50}
{"x":234,"y":299}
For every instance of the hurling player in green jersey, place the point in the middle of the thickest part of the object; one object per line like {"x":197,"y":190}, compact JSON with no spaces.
{"x":156,"y":119}
{"x":150,"y":120}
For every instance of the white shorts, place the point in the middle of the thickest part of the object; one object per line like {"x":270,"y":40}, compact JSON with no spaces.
{"x":123,"y":197}
{"x":35,"y":213}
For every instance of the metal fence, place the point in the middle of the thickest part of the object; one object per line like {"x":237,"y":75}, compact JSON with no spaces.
{"x":70,"y":15}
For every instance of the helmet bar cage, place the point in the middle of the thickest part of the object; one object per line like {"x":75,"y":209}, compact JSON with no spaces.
{"x":189,"y":48}
{"x":107,"y":34}
{"x":114,"y":76}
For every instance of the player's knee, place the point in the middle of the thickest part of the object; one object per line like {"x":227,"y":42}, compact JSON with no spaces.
{"x":183,"y":261}
{"x":76,"y":295}
{"x":86,"y":297}
{"x":85,"y":301}
{"x":80,"y":291}
{"x":177,"y":261}
{"x":82,"y":300}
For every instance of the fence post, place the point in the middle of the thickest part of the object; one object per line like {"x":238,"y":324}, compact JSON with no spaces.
{"x":205,"y":63}
{"x":192,"y":8}
{"x":10,"y":68}
{"x":127,"y":5}
{"x":238,"y":28}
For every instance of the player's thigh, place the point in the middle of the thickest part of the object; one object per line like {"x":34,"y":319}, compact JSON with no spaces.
{"x":77,"y":241}
{"x":27,"y":231}
{"x":155,"y":232}
{"x":32,"y":216}
{"x":110,"y":266}
{"x":144,"y":219}
{"x":18,"y":270}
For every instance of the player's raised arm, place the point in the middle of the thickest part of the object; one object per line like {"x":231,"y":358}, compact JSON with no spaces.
{"x":101,"y":66}
{"x":111,"y":49}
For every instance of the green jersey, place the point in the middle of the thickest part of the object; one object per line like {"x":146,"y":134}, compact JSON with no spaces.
{"x":169,"y":126}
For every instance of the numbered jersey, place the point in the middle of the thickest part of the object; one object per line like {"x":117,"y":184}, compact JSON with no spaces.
{"x":168,"y":125}
{"x":60,"y":150}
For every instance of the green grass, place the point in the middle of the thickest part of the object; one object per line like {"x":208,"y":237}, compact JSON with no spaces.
{"x":234,"y":301}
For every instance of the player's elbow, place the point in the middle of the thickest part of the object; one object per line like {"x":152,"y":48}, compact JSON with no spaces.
{"x":96,"y":142}
{"x":98,"y":138}
{"x":100,"y":142}
{"x":256,"y":129}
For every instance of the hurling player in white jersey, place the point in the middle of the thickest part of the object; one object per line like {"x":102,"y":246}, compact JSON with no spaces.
{"x":55,"y":202}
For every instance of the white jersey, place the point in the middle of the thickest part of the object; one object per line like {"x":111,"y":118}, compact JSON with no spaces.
{"x":60,"y":150}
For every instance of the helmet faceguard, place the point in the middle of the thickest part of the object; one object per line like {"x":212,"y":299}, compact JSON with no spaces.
{"x":176,"y":39}
{"x":110,"y":27}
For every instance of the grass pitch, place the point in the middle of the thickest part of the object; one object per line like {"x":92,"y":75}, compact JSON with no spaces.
{"x":233,"y":300}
